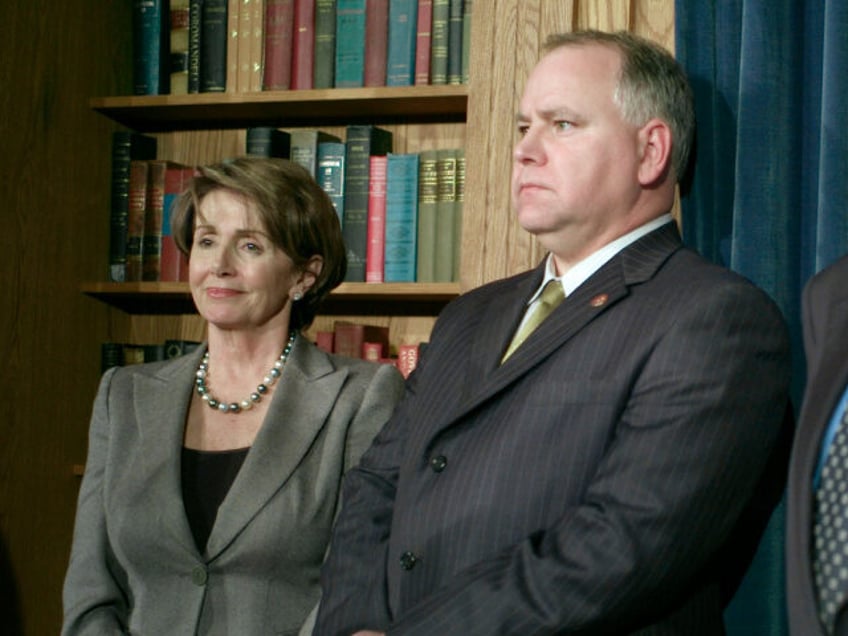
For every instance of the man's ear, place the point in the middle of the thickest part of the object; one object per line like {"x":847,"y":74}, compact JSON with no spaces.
{"x":655,"y":152}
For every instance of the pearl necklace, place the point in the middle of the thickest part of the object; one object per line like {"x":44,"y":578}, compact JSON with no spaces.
{"x":255,"y":397}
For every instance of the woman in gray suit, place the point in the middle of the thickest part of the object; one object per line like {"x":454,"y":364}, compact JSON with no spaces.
{"x":212,"y":480}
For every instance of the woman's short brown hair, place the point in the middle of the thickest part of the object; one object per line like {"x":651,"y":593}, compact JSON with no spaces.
{"x":297,"y":214}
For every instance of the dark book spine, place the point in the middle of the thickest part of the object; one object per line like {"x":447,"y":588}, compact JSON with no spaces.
{"x":111,"y":355}
{"x":323,"y":68}
{"x":194,"y":17}
{"x":361,"y":142}
{"x":439,"y":42}
{"x":330,"y":173}
{"x":126,"y":146}
{"x":151,"y":47}
{"x":264,"y":141}
{"x":466,"y":40}
{"x":400,"y":62}
{"x":213,"y":46}
{"x":455,"y":42}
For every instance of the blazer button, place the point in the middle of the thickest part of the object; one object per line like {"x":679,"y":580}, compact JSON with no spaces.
{"x":199,"y":575}
{"x":408,"y":560}
{"x":438,"y":463}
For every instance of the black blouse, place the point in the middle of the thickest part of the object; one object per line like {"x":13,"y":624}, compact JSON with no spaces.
{"x":206,"y":478}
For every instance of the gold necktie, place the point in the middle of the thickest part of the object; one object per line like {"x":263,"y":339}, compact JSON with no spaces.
{"x":552,"y":295}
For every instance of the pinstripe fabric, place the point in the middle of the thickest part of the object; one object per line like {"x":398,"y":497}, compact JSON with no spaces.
{"x":587,"y":485}
{"x":825,"y":313}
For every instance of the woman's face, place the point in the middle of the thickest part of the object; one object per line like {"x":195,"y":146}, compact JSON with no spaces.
{"x":239,"y":278}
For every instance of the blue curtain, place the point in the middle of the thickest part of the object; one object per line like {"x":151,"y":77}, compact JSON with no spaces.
{"x":768,"y":196}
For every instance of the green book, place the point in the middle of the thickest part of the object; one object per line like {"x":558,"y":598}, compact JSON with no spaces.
{"x":323,"y":69}
{"x":445,"y":215}
{"x":428,"y":190}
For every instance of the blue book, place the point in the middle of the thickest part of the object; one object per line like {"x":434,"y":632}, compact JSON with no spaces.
{"x":151,"y":32}
{"x":403,"y":33}
{"x":350,"y":43}
{"x":330,"y":172}
{"x":401,"y":218}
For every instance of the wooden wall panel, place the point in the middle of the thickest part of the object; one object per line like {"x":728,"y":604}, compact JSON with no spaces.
{"x":54,"y":184}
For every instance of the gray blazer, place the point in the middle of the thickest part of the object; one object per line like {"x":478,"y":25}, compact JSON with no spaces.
{"x":134,"y":566}
{"x":612,"y":477}
{"x":825,"y":314}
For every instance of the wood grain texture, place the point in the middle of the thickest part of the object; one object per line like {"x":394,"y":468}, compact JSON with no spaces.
{"x":54,"y":183}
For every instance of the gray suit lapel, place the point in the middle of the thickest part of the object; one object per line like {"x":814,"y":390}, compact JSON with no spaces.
{"x":302,"y":401}
{"x":161,"y":405}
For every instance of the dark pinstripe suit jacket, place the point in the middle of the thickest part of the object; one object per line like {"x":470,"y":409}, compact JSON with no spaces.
{"x":608,"y":478}
{"x":825,"y":312}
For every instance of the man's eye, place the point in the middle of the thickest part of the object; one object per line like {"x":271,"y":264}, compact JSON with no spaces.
{"x":563,"y":125}
{"x":522,"y":129}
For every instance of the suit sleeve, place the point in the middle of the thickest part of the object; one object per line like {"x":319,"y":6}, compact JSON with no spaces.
{"x":691,"y":446}
{"x":93,"y":596}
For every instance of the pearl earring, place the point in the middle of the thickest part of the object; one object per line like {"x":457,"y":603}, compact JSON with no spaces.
{"x":297,"y":296}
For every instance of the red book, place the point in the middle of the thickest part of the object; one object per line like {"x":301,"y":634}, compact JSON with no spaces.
{"x":303,"y":44}
{"x":324,"y":340}
{"x":135,"y":218}
{"x":279,"y":24}
{"x":349,"y":338}
{"x":407,"y":359}
{"x":174,"y":265}
{"x":376,"y":229}
{"x":376,"y":41}
{"x":422,"y":42}
{"x":372,"y":351}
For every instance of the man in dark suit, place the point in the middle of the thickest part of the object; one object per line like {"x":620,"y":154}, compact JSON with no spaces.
{"x":816,"y":601}
{"x":609,"y":474}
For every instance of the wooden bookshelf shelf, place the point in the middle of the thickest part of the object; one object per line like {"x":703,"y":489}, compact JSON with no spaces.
{"x":401,"y":299}
{"x":204,"y":111}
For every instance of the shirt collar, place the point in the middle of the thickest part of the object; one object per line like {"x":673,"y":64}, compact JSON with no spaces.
{"x":581,"y":271}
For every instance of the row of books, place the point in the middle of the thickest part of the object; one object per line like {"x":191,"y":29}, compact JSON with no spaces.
{"x":401,"y":214}
{"x":119,"y":354}
{"x":369,"y":342}
{"x":197,"y":46}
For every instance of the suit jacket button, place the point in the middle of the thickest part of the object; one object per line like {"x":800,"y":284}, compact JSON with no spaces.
{"x":408,"y":560}
{"x":438,"y":463}
{"x":199,"y":575}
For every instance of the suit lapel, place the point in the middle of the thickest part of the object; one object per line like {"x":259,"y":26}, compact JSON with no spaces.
{"x":599,"y":293}
{"x":303,"y":398}
{"x":161,"y":404}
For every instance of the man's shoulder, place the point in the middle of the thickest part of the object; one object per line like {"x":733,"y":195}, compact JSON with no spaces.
{"x":834,"y":275}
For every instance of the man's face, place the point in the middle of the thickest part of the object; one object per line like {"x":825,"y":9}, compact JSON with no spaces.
{"x":575,"y":165}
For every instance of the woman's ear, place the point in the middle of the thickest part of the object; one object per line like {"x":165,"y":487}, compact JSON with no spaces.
{"x":308,"y":275}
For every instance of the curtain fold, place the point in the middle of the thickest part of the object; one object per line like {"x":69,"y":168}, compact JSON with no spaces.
{"x":768,"y":193}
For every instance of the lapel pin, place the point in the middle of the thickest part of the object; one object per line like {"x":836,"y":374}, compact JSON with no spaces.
{"x":599,"y":301}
